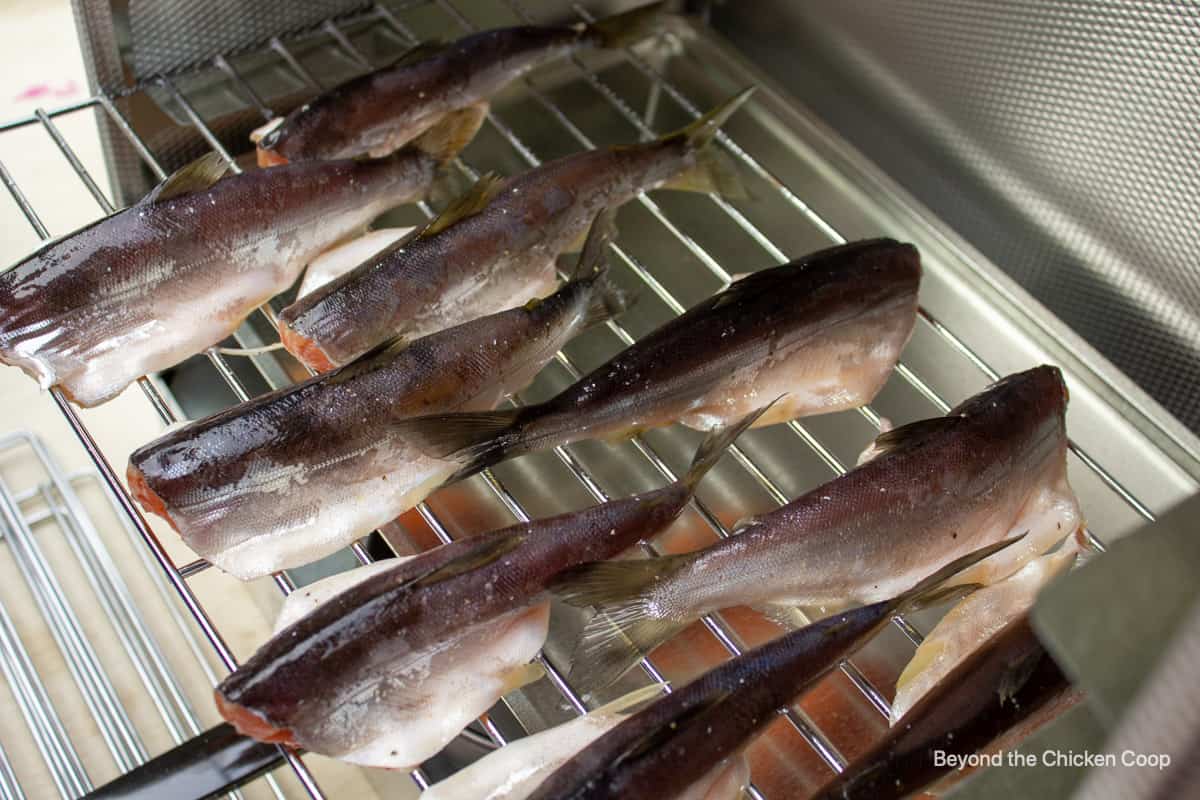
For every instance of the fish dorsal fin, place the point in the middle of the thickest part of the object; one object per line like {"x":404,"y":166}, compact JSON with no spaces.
{"x":195,"y":176}
{"x":486,"y":553}
{"x":419,"y":52}
{"x":666,"y":730}
{"x":470,"y":204}
{"x":911,"y":434}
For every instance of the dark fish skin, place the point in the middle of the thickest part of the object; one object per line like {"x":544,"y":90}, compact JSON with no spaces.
{"x":320,"y":668}
{"x":145,"y":288}
{"x":660,"y":752}
{"x":943,"y":487}
{"x":379,"y":111}
{"x":290,"y":475}
{"x":999,"y":686}
{"x":823,"y":332}
{"x":483,"y":262}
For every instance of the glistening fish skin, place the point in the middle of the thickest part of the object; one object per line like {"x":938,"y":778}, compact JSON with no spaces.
{"x":489,"y":260}
{"x":999,"y":686}
{"x":662,"y":752}
{"x":296,"y":474}
{"x":145,"y":288}
{"x":380,"y":111}
{"x":353,"y":677}
{"x":821,"y":333}
{"x":993,"y":467}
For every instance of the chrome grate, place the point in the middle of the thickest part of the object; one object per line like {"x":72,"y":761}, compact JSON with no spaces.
{"x":658,"y":67}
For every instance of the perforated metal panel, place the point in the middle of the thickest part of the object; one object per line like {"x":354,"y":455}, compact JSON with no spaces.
{"x":1060,"y":138}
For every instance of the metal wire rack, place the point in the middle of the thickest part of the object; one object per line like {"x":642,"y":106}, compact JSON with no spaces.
{"x":390,"y":22}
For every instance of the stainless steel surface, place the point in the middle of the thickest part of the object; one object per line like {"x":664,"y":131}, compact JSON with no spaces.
{"x":808,"y":191}
{"x":1057,"y":137}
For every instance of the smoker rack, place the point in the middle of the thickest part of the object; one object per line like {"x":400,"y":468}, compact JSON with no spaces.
{"x":391,"y":20}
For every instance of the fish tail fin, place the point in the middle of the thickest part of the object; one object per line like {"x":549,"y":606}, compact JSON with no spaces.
{"x":624,"y":628}
{"x":476,"y":440}
{"x":930,"y":591}
{"x":447,"y":137}
{"x":713,"y":171}
{"x":607,"y":299}
{"x":627,"y":28}
{"x":714,"y":445}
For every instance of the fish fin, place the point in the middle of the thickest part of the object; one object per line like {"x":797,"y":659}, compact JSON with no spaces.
{"x":593,"y":256}
{"x":630,"y":27}
{"x":667,"y":729}
{"x":368,"y":361}
{"x":486,"y":553}
{"x":478,"y":439}
{"x":714,"y":445}
{"x":909,"y":435}
{"x":929,"y":591}
{"x":521,"y":676}
{"x":628,"y":703}
{"x":468,"y":205}
{"x":785,"y":616}
{"x":419,"y":52}
{"x":713,"y":173}
{"x":607,"y":301}
{"x":701,"y":131}
{"x":195,"y":176}
{"x":446,"y":138}
{"x":623,"y":631}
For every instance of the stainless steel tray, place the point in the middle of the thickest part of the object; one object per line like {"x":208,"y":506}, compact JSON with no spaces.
{"x":1129,"y":459}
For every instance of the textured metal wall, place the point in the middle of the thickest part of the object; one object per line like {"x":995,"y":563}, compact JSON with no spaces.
{"x":1060,"y":138}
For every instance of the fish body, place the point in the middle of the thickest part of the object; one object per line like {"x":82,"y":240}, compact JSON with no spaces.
{"x":297,"y":473}
{"x":998,"y":687}
{"x":659,"y":752}
{"x":994,"y":467}
{"x":821,"y":334}
{"x":390,"y":669}
{"x":494,"y":253}
{"x":380,"y":111}
{"x":143,"y":289}
{"x":973,"y":621}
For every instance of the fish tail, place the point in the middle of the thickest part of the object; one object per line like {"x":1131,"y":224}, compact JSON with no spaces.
{"x":713,"y":170}
{"x":716,"y":443}
{"x":446,"y":138}
{"x":930,"y":590}
{"x":625,"y":627}
{"x":627,"y":28}
{"x":476,"y":440}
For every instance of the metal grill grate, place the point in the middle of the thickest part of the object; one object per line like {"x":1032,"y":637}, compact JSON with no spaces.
{"x":393,"y":23}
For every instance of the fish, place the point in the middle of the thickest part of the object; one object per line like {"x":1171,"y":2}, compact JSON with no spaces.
{"x":339,"y":260}
{"x":141,"y":290}
{"x":974,"y":620}
{"x":496,"y":245}
{"x":996,"y":689}
{"x":678,"y":747}
{"x":513,"y":771}
{"x":298,"y":473}
{"x":821,"y":333}
{"x":393,"y":666}
{"x":935,"y":489}
{"x":378,"y":112}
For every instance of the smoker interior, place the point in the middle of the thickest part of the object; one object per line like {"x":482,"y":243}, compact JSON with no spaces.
{"x":807,"y":190}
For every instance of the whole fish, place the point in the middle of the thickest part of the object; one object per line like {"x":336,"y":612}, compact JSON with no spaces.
{"x":298,"y":473}
{"x":973,"y":621}
{"x":681,"y":745}
{"x":994,"y":466}
{"x":382,"y":110}
{"x":145,"y":288}
{"x":993,"y":690}
{"x":391,"y":668}
{"x":821,"y":333}
{"x":496,"y":246}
